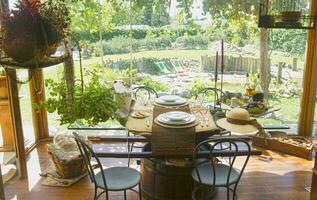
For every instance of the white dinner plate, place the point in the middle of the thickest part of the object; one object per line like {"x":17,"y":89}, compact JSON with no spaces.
{"x":177,"y":115}
{"x":169,"y":98}
{"x":165,"y":120}
{"x":179,"y":101}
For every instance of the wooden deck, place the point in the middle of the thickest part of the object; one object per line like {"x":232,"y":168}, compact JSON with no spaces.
{"x":283,"y":178}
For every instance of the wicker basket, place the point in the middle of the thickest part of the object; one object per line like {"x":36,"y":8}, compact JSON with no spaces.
{"x":66,"y":167}
{"x":276,"y":143}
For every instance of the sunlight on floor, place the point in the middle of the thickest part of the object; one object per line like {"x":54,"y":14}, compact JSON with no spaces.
{"x":33,"y":170}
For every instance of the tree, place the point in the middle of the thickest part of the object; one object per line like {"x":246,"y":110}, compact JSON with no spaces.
{"x":85,"y":19}
{"x":184,"y":14}
{"x":233,"y":13}
{"x":237,"y":19}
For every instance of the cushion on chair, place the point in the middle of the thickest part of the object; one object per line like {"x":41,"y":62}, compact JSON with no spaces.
{"x":206,"y":174}
{"x":119,"y":178}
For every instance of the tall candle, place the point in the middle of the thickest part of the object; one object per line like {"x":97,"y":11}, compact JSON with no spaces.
{"x":222,"y":55}
{"x":216,"y":67}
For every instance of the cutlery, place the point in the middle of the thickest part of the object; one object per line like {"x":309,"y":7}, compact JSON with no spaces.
{"x":147,"y":121}
{"x":201,"y":123}
{"x":206,"y":121}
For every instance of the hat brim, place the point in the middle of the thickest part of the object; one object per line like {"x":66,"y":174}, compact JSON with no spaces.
{"x":223,"y":123}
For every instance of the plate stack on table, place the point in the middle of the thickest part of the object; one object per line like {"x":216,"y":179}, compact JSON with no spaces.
{"x":176,"y":119}
{"x":173,"y":127}
{"x":170,"y":100}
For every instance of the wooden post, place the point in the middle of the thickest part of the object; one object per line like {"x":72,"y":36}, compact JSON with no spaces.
{"x":5,"y":116}
{"x":39,"y":115}
{"x":308,"y":98}
{"x":264,"y":56}
{"x":313,"y":193}
{"x":17,"y":123}
{"x":294,"y":64}
{"x":2,"y":196}
{"x":279,"y":72}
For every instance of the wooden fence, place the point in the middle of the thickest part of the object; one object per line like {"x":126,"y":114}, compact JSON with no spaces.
{"x":236,"y":64}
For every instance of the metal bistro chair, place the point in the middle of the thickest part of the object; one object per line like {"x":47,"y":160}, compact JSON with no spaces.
{"x":218,"y":94}
{"x":149,"y":91}
{"x":212,"y":173}
{"x":110,"y":179}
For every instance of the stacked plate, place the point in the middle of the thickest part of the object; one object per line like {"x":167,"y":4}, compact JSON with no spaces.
{"x":170,"y":100}
{"x":177,"y":118}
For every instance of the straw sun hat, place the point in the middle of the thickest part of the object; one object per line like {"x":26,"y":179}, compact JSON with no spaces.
{"x":238,"y":121}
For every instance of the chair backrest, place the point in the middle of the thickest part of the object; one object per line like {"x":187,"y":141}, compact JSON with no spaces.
{"x":217,"y":92}
{"x":216,"y":145}
{"x":149,"y":91}
{"x":87,"y":153}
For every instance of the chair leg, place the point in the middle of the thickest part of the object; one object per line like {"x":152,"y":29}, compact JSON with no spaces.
{"x":125,"y":194}
{"x":107,"y":196}
{"x":140,"y":192}
{"x":228,"y":193}
{"x":95,"y":197}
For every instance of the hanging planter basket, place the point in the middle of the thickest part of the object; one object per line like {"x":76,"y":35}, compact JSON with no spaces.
{"x":33,"y":32}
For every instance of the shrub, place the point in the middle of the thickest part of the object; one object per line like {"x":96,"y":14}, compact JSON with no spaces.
{"x":192,"y":42}
{"x":149,"y":82}
{"x":139,"y":33}
{"x":120,"y":44}
{"x":156,"y":43}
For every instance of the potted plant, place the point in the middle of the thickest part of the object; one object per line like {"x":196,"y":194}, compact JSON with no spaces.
{"x":290,"y":12}
{"x":34,"y":30}
{"x":94,"y":104}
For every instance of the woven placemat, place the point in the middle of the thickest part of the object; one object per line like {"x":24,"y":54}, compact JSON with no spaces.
{"x":171,"y":141}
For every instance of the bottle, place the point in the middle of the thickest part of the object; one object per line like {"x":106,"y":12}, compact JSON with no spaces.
{"x":247,"y":86}
{"x":259,"y":95}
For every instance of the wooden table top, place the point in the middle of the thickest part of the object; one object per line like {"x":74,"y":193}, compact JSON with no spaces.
{"x":144,"y":126}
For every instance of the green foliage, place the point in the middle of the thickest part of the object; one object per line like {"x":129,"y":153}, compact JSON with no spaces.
{"x":90,"y":17}
{"x":291,"y":41}
{"x":184,"y":15}
{"x":198,"y":85}
{"x":149,"y":82}
{"x":138,"y":33}
{"x":95,"y":105}
{"x":120,"y":44}
{"x":43,"y":24}
{"x":193,"y":42}
{"x":236,"y":18}
{"x":156,"y":43}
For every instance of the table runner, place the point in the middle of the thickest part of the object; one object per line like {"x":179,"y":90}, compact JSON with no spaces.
{"x":139,"y":126}
{"x":169,"y":141}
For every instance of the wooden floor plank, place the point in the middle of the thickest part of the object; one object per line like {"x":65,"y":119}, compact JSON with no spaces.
{"x":283,"y":178}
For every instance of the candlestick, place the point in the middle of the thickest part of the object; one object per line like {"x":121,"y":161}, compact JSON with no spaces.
{"x":216,"y":79}
{"x":222,"y":57}
{"x":216,"y":67}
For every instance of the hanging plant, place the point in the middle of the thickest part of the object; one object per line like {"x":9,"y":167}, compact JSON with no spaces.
{"x":94,"y":103}
{"x":33,"y":31}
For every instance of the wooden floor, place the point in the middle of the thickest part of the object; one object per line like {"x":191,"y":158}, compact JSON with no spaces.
{"x":283,"y":178}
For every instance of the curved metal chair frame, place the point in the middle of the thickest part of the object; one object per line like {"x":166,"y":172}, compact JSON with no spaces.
{"x":87,"y":153}
{"x":147,"y":89}
{"x":215,"y":90}
{"x":150,"y":91}
{"x":234,"y":144}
